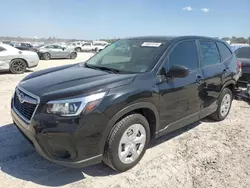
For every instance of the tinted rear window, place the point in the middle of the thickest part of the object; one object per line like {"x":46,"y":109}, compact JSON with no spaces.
{"x":224,"y":51}
{"x":2,"y":49}
{"x":243,"y":52}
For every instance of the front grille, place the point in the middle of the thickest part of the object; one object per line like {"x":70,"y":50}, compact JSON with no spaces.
{"x":24,"y":104}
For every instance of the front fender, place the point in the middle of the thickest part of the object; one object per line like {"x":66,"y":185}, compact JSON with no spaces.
{"x":123,"y":112}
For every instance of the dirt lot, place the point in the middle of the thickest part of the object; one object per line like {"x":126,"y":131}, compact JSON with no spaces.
{"x":204,"y":154}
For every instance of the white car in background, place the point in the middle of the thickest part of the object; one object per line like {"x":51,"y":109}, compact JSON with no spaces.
{"x":17,"y":61}
{"x":77,"y":46}
{"x":87,"y":47}
{"x":99,"y":45}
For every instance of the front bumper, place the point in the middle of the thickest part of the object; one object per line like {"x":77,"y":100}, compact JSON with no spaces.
{"x":59,"y":144}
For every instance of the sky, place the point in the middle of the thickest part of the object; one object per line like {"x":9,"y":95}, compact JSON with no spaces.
{"x":96,"y":19}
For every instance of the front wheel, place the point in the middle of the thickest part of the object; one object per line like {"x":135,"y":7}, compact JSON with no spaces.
{"x":224,"y":105}
{"x":73,"y":55}
{"x":127,"y":142}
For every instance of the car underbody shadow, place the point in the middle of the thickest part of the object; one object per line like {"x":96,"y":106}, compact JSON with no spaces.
{"x":20,"y":160}
{"x":164,"y":138}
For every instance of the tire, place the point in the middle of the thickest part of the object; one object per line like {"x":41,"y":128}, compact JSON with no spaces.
{"x":96,"y":49}
{"x":18,"y":66}
{"x":78,"y":49}
{"x":219,"y":115}
{"x":46,"y":56}
{"x":113,"y":154}
{"x":73,"y":55}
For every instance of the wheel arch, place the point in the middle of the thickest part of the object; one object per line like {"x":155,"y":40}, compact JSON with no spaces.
{"x":230,"y":84}
{"x":147,"y":109}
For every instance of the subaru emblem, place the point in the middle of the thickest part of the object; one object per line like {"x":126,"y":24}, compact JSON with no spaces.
{"x":20,"y":97}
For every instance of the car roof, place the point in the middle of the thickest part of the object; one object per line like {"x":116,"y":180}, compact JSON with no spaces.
{"x":172,"y":38}
{"x":8,"y":47}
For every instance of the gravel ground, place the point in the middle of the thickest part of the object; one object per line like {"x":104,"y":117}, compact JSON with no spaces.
{"x":203,"y":154}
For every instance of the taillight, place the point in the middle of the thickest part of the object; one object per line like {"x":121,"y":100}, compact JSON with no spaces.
{"x":239,"y":64}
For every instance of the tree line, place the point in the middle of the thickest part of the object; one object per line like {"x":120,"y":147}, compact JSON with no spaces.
{"x":237,"y":39}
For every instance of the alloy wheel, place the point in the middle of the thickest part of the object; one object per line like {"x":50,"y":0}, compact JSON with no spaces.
{"x":19,"y":66}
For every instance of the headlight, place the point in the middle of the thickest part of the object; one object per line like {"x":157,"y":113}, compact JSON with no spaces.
{"x":73,"y":107}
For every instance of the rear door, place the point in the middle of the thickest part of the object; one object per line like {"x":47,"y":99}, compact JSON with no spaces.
{"x":232,"y":70}
{"x":213,"y":72}
{"x":179,"y":97}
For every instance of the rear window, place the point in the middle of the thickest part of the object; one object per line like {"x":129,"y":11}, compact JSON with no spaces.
{"x":2,"y":49}
{"x":243,"y":52}
{"x":224,"y":51}
{"x":209,"y":53}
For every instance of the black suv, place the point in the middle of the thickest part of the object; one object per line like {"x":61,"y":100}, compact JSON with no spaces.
{"x":109,"y":107}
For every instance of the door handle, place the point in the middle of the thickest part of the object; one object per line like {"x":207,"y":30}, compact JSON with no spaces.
{"x":225,"y":71}
{"x":199,"y":79}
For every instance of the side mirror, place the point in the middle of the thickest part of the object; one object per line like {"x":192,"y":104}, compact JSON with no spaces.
{"x":63,"y":48}
{"x":178,"y":71}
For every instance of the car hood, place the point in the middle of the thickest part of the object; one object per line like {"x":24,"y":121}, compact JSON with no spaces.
{"x":71,"y":80}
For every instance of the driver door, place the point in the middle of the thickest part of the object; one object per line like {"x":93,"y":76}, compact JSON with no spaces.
{"x":179,"y":97}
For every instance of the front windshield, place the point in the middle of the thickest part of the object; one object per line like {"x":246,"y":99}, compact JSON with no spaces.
{"x":129,"y":55}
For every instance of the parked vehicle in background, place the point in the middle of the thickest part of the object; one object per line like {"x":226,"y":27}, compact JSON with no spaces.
{"x":55,"y":51}
{"x":108,"y":108}
{"x":77,"y":46}
{"x":15,"y":60}
{"x":243,"y":55}
{"x":25,"y":46}
{"x":7,"y":42}
{"x":87,"y":47}
{"x":62,"y":44}
{"x":99,"y":45}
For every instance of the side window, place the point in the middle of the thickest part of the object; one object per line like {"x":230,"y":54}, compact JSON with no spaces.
{"x":87,"y":44}
{"x":209,"y":53}
{"x":243,"y":52}
{"x":57,"y":47}
{"x":224,"y":51}
{"x":50,"y":46}
{"x":185,"y":53}
{"x":2,"y":49}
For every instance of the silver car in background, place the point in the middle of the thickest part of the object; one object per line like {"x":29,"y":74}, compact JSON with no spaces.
{"x":56,"y":51}
{"x":15,"y":60}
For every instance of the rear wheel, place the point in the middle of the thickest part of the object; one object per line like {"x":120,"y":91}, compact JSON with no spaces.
{"x":127,"y":142}
{"x":18,"y":66}
{"x":224,"y":105}
{"x":73,"y":55}
{"x":46,"y":56}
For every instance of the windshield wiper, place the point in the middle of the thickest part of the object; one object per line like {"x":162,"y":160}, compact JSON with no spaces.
{"x":108,"y":69}
{"x":103,"y":68}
